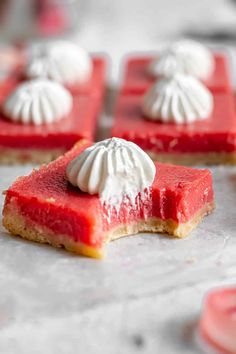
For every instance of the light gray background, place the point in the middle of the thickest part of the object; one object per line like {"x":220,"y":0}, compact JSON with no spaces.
{"x":145,"y":297}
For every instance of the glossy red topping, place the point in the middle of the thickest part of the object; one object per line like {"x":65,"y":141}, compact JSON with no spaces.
{"x":45,"y":197}
{"x":137,"y":78}
{"x":216,"y":134}
{"x":80,"y":123}
{"x":218,"y":322}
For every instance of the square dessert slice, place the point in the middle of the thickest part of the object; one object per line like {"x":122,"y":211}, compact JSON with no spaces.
{"x":24,"y":143}
{"x":45,"y":207}
{"x":207,"y":141}
{"x":137,"y":79}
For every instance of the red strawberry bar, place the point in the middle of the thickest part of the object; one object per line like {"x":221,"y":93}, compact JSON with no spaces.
{"x":209,"y":141}
{"x":39,"y":144}
{"x":46,"y":208}
{"x":137,"y":79}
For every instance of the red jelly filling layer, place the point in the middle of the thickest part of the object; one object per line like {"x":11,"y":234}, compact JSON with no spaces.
{"x":215,"y":134}
{"x":137,"y":79}
{"x":46,"y":198}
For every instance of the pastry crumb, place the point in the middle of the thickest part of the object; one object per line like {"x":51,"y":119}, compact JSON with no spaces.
{"x":191,"y":260}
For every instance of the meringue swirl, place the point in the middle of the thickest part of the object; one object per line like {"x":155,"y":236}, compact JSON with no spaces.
{"x":113,"y":168}
{"x":38,"y":102}
{"x":180,"y":99}
{"x":61,"y":61}
{"x":188,"y":57}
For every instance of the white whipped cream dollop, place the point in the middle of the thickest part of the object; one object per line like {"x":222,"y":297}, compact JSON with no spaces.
{"x":36,"y":102}
{"x":180,"y":99}
{"x":61,"y":61}
{"x":186,"y":56}
{"x":114,"y":168}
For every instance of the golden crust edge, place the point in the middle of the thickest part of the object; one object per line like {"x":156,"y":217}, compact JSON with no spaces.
{"x":191,"y":159}
{"x":14,"y":156}
{"x":18,"y":226}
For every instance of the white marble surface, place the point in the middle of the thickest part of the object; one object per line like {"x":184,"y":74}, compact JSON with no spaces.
{"x":145,"y":297}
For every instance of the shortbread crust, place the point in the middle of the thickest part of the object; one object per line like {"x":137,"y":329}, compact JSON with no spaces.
{"x":12,"y":156}
{"x":192,"y":159}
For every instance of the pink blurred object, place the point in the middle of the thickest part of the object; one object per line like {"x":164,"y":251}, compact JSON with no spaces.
{"x":218,"y":321}
{"x":51,"y":17}
{"x":40,"y":18}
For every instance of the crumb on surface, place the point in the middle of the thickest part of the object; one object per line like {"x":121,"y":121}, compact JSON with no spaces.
{"x":191,"y":260}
